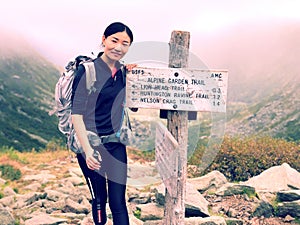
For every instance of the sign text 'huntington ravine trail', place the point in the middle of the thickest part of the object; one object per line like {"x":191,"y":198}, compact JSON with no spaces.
{"x":177,"y":89}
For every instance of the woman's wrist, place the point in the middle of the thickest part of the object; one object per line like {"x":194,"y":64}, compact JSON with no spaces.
{"x":89,"y":151}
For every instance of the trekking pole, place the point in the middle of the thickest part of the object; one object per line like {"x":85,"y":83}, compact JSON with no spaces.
{"x":96,"y":155}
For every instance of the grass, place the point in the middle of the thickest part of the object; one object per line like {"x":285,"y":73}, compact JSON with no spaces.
{"x":26,"y":161}
{"x":31,"y":159}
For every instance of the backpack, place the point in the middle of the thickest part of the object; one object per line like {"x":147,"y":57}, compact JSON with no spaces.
{"x":63,"y":103}
{"x":63,"y":95}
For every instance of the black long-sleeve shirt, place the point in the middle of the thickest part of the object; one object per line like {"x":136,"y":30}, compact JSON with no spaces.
{"x":102,"y":109}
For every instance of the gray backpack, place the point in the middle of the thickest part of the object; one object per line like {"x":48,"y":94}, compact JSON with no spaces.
{"x":63,"y":94}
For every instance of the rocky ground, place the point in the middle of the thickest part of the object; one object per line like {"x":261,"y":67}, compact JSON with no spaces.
{"x":54,"y":191}
{"x":242,"y":208}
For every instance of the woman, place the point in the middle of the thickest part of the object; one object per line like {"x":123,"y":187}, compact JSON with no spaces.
{"x":101,"y":112}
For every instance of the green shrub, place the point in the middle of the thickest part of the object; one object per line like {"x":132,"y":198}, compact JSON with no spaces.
{"x":9,"y":172}
{"x":137,"y":213}
{"x":242,"y":158}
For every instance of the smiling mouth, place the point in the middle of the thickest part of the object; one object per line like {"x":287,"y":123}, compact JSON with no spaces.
{"x":116,"y":54}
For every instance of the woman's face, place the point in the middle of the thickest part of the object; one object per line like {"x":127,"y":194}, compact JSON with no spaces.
{"x":116,"y":45}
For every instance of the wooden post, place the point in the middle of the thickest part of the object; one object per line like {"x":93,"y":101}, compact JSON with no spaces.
{"x":177,"y":124}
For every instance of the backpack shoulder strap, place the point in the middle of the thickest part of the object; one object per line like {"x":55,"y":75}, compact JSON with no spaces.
{"x":90,"y":76}
{"x":123,"y":70}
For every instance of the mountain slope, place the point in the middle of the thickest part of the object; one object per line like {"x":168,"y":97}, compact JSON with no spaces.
{"x":26,"y":91}
{"x":277,"y":115}
{"x":264,"y":77}
{"x":270,"y":89}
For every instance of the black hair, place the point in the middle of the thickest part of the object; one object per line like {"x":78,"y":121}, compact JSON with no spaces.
{"x":118,"y":27}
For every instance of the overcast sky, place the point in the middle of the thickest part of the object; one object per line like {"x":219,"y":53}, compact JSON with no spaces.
{"x":69,"y":27}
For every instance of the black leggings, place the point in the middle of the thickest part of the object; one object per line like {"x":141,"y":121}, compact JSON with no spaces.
{"x":109,"y":182}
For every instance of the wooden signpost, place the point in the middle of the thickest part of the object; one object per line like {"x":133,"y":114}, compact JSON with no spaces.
{"x":178,"y":90}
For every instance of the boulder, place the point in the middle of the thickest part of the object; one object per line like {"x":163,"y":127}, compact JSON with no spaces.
{"x":195,"y":203}
{"x":6,"y":217}
{"x":276,"y":178}
{"x":150,"y":211}
{"x":288,"y":196}
{"x":264,"y":209}
{"x":213,"y":220}
{"x":235,"y":189}
{"x":209,"y":182}
{"x":44,"y":219}
{"x":289,"y":208}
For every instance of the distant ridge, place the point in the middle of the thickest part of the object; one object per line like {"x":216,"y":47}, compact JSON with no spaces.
{"x":26,"y":95}
{"x":264,"y":76}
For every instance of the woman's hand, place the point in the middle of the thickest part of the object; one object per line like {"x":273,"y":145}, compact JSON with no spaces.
{"x":81,"y":132}
{"x":93,"y":161}
{"x":129,"y":67}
